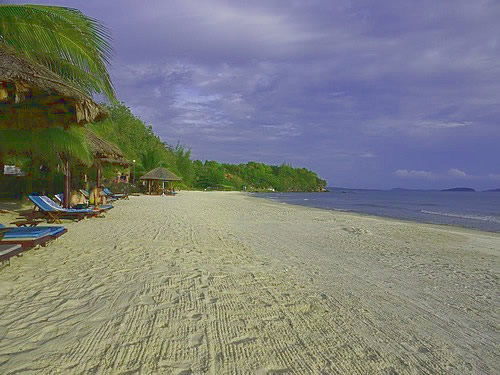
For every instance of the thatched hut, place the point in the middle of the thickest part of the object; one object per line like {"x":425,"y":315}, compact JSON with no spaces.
{"x":32,"y":96}
{"x":157,"y":175}
{"x":104,"y":152}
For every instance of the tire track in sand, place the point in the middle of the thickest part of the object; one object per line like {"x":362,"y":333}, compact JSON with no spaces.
{"x":175,"y":291}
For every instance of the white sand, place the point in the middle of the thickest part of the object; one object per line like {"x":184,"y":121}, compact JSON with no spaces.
{"x":224,"y":283}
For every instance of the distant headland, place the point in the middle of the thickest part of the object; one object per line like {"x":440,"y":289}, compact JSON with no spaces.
{"x":460,"y":189}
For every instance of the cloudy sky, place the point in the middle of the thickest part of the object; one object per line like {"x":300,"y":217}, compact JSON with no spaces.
{"x":368,"y":93}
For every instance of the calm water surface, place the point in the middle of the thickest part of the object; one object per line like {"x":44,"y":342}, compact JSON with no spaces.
{"x":479,"y":210}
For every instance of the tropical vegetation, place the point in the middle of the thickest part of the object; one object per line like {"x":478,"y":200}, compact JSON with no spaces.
{"x":77,"y":48}
{"x":138,"y":142}
{"x":66,"y":41}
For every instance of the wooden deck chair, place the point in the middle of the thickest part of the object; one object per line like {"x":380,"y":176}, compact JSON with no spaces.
{"x":13,"y":241}
{"x":52,"y":212}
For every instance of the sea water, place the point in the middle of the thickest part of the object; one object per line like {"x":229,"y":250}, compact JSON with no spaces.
{"x":479,"y":210}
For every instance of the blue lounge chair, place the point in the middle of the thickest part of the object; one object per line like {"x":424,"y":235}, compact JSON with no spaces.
{"x":86,"y":194}
{"x":50,"y":210}
{"x":109,"y":193}
{"x":103,"y":207}
{"x":28,"y":237}
{"x":8,"y":251}
{"x":15,"y":240}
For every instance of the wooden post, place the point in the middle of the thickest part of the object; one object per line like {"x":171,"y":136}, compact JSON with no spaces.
{"x":98,"y":175}
{"x":67,"y":183}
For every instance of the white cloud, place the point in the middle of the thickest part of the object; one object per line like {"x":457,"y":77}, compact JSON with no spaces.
{"x":282,"y":130}
{"x":494,"y":176}
{"x":455,"y":172}
{"x":367,"y":155}
{"x":413,"y":173}
{"x":443,"y":124}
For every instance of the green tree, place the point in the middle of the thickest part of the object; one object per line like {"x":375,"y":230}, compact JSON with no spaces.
{"x":136,"y":139}
{"x":150,"y":159}
{"x":72,"y":45}
{"x":210,"y":175}
{"x":184,"y":163}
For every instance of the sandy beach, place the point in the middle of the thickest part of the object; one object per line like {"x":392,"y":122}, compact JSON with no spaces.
{"x":226,"y":283}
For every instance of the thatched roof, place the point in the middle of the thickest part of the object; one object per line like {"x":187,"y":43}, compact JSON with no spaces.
{"x":104,"y":151}
{"x":32,"y":96}
{"x":162,"y":174}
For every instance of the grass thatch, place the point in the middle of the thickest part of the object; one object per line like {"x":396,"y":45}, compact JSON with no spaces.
{"x":31,"y":96}
{"x":161,"y":174}
{"x":104,"y":151}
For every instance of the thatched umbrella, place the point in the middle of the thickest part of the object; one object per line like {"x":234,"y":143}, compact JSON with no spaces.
{"x":104,"y":152}
{"x":32,"y":96}
{"x":159,"y":174}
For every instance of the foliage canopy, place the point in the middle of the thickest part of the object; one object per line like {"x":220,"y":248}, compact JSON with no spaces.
{"x":71,"y":44}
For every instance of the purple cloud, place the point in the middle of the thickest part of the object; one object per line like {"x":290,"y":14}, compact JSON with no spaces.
{"x":351,"y":89}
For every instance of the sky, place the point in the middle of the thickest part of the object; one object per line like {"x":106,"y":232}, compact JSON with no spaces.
{"x":368,"y":93}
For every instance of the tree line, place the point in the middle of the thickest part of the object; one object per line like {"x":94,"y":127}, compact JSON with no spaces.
{"x":138,"y":142}
{"x":77,"y":48}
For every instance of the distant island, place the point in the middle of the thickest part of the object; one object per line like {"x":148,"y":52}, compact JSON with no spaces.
{"x":460,"y":189}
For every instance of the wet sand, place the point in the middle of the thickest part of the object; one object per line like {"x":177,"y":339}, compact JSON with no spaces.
{"x":224,"y":283}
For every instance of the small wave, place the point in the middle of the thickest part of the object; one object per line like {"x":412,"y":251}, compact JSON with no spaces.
{"x":462,"y":216}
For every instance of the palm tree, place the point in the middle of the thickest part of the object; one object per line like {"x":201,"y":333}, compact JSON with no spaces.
{"x":73,"y":46}
{"x":47,"y":147}
{"x":150,"y":159}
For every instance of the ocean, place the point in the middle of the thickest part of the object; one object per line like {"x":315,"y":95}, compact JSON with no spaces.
{"x":478,"y":210}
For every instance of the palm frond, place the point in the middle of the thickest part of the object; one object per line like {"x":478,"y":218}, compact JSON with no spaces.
{"x":48,"y":145}
{"x":69,"y":43}
{"x":150,"y":159}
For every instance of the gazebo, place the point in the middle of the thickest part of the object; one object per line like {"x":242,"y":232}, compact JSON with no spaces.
{"x":159,"y":174}
{"x":32,"y":96}
{"x":104,"y":152}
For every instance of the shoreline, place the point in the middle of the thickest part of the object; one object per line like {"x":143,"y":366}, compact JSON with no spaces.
{"x":363,"y":214}
{"x":219,"y":282}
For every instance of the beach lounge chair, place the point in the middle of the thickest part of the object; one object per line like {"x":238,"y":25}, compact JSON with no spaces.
{"x":29,"y":237}
{"x":109,"y":193}
{"x":85,"y":193}
{"x":59,"y":198}
{"x":8,"y":251}
{"x":48,"y":209}
{"x":13,"y":241}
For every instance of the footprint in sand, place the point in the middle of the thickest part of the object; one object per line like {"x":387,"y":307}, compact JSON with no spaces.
{"x":243,"y":340}
{"x":196,"y":316}
{"x":47,"y":333}
{"x":196,"y":340}
{"x":146,"y":300}
{"x":272,"y":370}
{"x":178,"y":368}
{"x":240,"y":323}
{"x":355,"y":230}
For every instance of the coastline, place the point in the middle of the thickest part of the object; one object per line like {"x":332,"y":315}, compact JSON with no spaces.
{"x":380,"y":216}
{"x":218,"y":282}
